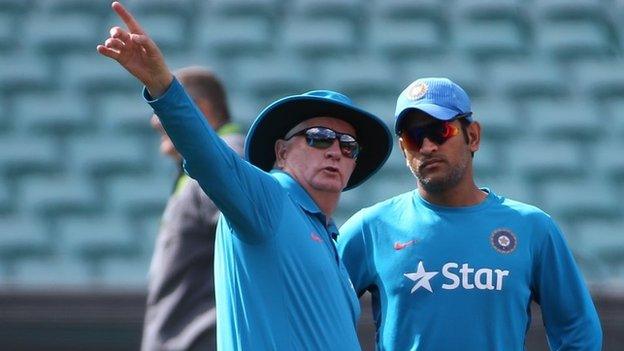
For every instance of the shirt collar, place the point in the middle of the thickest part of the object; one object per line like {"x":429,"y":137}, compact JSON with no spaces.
{"x":302,"y":198}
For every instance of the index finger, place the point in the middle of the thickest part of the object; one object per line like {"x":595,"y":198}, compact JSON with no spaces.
{"x":126,"y":16}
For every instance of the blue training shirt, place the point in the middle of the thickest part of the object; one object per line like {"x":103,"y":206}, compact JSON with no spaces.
{"x":462,"y":278}
{"x":279,"y":282}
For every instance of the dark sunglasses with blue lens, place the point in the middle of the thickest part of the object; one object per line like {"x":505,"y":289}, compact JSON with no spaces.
{"x":323,"y":138}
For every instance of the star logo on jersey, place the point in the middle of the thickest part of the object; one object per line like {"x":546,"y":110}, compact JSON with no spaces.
{"x":421,"y":277}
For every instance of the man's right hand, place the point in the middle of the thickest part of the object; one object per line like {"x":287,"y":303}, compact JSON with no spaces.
{"x":137,"y":53}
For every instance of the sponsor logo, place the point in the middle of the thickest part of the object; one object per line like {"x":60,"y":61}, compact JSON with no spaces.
{"x":504,"y":241}
{"x":400,"y":246}
{"x":465,"y":277}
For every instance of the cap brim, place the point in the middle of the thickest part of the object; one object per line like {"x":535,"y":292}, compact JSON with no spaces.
{"x":281,"y":116}
{"x":435,"y":111}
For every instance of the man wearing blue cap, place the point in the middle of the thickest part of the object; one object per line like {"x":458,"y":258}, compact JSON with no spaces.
{"x":280,"y":284}
{"x":451,"y":266}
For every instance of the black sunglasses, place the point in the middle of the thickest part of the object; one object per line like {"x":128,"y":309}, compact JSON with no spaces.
{"x":323,"y":138}
{"x":438,"y":132}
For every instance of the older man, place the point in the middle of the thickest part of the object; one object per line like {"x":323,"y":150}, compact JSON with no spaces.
{"x":280,"y":284}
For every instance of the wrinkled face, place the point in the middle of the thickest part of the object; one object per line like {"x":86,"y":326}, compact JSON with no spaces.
{"x":166,"y":145}
{"x":324,"y":170}
{"x":439,"y":167}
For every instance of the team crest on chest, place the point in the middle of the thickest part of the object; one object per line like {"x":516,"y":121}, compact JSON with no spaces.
{"x":503,"y":240}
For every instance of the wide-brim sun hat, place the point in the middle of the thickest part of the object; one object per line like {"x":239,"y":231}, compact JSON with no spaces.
{"x":282,"y":115}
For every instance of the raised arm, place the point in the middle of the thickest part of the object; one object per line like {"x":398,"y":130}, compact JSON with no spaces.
{"x":248,"y":197}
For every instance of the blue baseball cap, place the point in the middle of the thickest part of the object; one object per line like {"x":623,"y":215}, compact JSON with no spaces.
{"x":281,"y":116}
{"x":440,"y":98}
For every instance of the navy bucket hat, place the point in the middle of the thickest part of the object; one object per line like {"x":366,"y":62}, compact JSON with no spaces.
{"x":282,"y":115}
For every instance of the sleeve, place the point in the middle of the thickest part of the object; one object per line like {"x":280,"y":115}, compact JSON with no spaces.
{"x":248,"y":197}
{"x":569,"y":315}
{"x":353,"y":248}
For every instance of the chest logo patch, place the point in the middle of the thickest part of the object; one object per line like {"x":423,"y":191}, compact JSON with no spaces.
{"x":503,"y":240}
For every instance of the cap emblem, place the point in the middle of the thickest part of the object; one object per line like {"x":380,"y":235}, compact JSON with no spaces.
{"x":417,"y":90}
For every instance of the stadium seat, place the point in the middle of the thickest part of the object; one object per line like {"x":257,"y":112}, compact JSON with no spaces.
{"x":539,"y":159}
{"x":499,"y":118}
{"x":576,"y":119}
{"x":107,"y":154}
{"x":55,"y":114}
{"x":61,"y":34}
{"x":361,"y":76}
{"x":124,"y":112}
{"x":139,"y":196}
{"x":52,"y":273}
{"x":580,"y":200}
{"x":347,"y":9}
{"x":504,"y":22}
{"x":234,"y":8}
{"x":95,"y":239}
{"x":570,"y":9}
{"x":59,"y":195}
{"x":488,"y":160}
{"x":526,"y":78}
{"x":575,"y":39}
{"x":168,"y":31}
{"x":408,"y":9}
{"x":20,"y":156}
{"x":97,"y":75}
{"x":21,"y":72}
{"x":598,"y":79}
{"x":22,"y":238}
{"x":97,"y":9}
{"x":271,"y":77}
{"x":7,"y":33}
{"x":605,"y":240}
{"x":319,"y":38}
{"x":608,"y":164}
{"x":235,"y":36}
{"x":402,"y":38}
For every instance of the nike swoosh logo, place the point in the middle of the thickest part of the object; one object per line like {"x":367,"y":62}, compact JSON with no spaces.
{"x":401,"y":246}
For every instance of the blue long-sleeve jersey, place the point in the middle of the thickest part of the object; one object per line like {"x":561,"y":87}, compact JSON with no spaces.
{"x":445,"y":278}
{"x":279,"y":282}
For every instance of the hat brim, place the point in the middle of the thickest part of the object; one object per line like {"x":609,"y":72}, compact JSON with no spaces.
{"x":281,"y":116}
{"x":435,"y":111}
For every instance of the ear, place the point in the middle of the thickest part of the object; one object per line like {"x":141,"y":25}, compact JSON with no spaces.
{"x":474,"y":136}
{"x":402,"y":146}
{"x":280,"y":152}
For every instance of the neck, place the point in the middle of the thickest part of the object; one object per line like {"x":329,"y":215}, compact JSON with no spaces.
{"x":465,"y":193}
{"x":326,"y":201}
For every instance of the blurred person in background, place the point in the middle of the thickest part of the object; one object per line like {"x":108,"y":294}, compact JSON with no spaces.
{"x":181,"y":311}
{"x":279,"y":282}
{"x":451,"y":266}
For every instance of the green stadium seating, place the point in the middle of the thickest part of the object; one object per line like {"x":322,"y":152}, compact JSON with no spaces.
{"x":54,"y":114}
{"x":78,"y":154}
{"x":21,"y":72}
{"x":48,"y":195}
{"x":319,"y":38}
{"x":60,"y":35}
{"x":575,"y":119}
{"x":20,"y":155}
{"x":234,"y":36}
